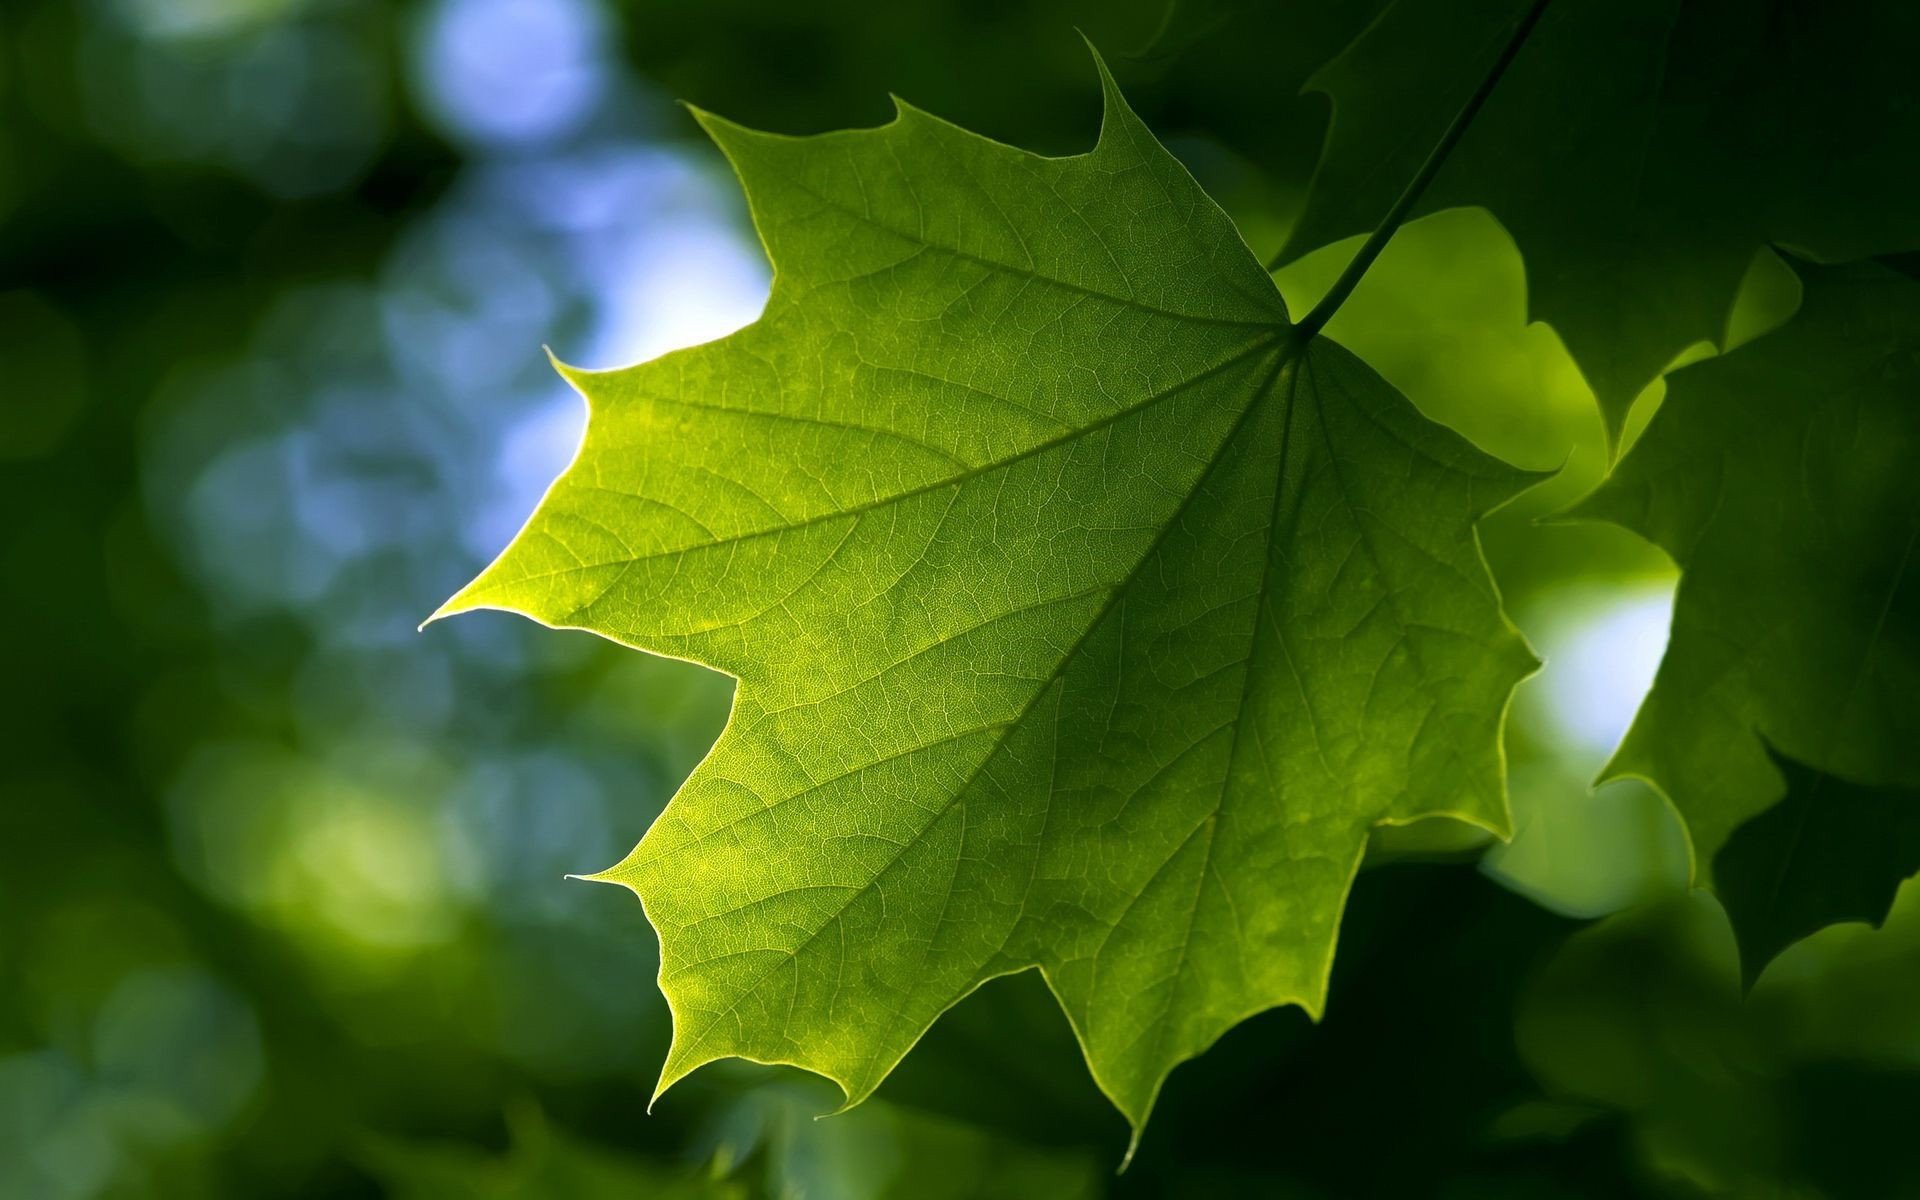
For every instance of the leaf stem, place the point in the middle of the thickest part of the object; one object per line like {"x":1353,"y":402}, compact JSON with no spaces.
{"x":1377,"y":241}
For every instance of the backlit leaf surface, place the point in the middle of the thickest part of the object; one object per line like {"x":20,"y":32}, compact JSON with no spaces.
{"x":1085,"y":617}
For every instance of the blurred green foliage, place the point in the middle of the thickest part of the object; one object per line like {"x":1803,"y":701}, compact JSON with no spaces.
{"x":281,"y":907}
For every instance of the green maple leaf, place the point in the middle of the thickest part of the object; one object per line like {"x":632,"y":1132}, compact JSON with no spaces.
{"x":1086,"y":615}
{"x":1639,"y":151}
{"x":1781,"y":479}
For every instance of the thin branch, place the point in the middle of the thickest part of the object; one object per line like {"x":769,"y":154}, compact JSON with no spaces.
{"x":1377,"y":241}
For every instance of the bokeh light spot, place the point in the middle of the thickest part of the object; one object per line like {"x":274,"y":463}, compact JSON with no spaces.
{"x":511,"y":71}
{"x":1601,"y":661}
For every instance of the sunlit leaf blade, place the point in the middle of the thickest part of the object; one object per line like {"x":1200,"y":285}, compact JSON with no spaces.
{"x":1639,"y":151}
{"x":1084,"y":617}
{"x":1781,"y":477}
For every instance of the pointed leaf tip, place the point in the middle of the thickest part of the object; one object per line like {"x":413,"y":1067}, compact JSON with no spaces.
{"x":1115,"y":112}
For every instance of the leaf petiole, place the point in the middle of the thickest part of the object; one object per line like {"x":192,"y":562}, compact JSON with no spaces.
{"x":1322,"y":312}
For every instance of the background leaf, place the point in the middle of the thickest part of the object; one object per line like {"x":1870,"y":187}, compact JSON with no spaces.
{"x":1828,"y":851}
{"x":1778,"y":477}
{"x":1639,"y":152}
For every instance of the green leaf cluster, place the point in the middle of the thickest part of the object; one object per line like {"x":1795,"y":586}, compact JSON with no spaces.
{"x":1090,"y":613}
{"x":1780,"y":477}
